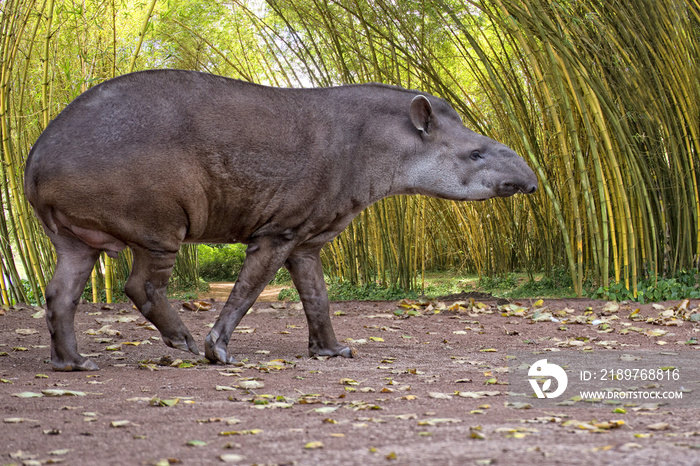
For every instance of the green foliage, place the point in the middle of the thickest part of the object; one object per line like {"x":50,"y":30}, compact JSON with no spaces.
{"x":504,"y":282}
{"x":220,"y":262}
{"x":29,"y":293}
{"x":185,"y":291}
{"x":184,"y":295}
{"x":684,"y":285}
{"x":555,"y":285}
{"x":223,"y":263}
{"x":288,"y":294}
{"x":282,"y":277}
{"x":446,"y":283}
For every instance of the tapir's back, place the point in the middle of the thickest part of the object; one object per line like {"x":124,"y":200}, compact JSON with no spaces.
{"x":149,"y":150}
{"x":166,"y":114}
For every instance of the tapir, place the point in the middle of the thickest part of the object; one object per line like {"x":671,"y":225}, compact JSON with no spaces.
{"x":154,"y":159}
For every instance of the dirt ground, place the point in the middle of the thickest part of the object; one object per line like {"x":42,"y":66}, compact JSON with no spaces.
{"x":426,"y":388}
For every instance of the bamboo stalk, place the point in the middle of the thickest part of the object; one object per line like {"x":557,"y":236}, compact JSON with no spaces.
{"x":142,"y":34}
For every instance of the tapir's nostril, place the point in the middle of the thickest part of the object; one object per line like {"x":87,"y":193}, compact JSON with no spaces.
{"x":532,"y":189}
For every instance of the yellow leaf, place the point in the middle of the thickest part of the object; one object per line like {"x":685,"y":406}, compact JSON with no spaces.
{"x":119,"y":423}
{"x":28,"y":395}
{"x":241,"y":432}
{"x":155,"y":401}
{"x":313,"y":445}
{"x":60,"y":392}
{"x":659,"y":426}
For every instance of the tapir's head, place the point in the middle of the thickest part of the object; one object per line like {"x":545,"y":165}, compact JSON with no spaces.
{"x":450,"y":161}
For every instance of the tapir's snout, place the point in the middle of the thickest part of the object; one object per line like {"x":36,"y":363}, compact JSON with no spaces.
{"x":526,"y":184}
{"x":530,"y":186}
{"x":529,"y":189}
{"x":513,"y":174}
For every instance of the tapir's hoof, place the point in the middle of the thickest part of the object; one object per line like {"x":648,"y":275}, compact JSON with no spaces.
{"x":216,"y":351}
{"x":187,"y":344}
{"x":343,"y":351}
{"x":84,"y":365}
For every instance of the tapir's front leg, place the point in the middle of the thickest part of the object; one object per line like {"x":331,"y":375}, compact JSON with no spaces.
{"x":307,"y":274}
{"x":264,"y":258}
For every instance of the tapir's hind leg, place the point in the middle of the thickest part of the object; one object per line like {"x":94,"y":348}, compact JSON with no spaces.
{"x":146,"y":287}
{"x":307,"y":273}
{"x":75,"y":262}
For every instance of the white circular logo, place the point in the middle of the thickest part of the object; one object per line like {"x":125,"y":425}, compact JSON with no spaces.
{"x":544,"y":369}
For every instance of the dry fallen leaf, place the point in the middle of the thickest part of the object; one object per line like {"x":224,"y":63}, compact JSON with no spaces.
{"x":440,"y":396}
{"x":60,"y":392}
{"x":438,"y":420}
{"x":250,"y":384}
{"x":225,"y":388}
{"x":240,"y":432}
{"x":196,"y":443}
{"x":659,"y":426}
{"x":197,"y":306}
{"x":17,"y":420}
{"x":326,"y":409}
{"x":61,"y":452}
{"x":27,"y":395}
{"x":122,"y":423}
{"x":155,"y":401}
{"x":478,"y":394}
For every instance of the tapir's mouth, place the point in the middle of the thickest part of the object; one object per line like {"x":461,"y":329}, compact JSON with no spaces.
{"x":509,"y":189}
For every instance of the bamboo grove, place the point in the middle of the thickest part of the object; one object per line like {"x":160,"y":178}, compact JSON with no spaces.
{"x":602,"y":97}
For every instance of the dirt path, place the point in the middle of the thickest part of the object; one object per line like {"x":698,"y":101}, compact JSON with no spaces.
{"x":427,"y":389}
{"x":220,"y":291}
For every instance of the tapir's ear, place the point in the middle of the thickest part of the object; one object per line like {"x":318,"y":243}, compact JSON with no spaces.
{"x":422,"y":115}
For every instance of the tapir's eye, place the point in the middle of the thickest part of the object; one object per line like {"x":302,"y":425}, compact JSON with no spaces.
{"x":475,"y":155}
